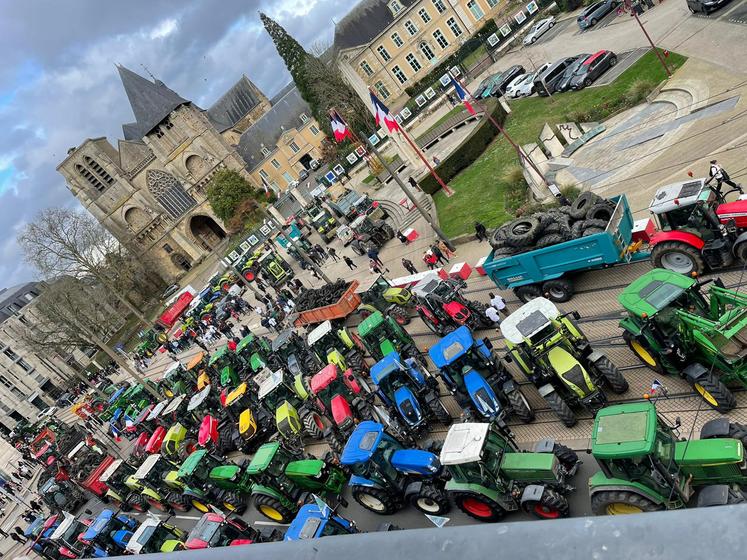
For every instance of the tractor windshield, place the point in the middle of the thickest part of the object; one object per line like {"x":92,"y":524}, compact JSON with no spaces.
{"x":383,"y":456}
{"x":676,"y":219}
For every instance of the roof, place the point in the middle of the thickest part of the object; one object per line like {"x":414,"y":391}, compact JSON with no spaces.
{"x":318,"y":333}
{"x":528,"y":320}
{"x":244,"y":342}
{"x":263,"y":457}
{"x":279,"y":95}
{"x":427,"y":284}
{"x":191,"y":462}
{"x":364,"y":22}
{"x":653,"y":291}
{"x":593,"y":57}
{"x":451,"y":347}
{"x":147,"y":465}
{"x":135,"y":545}
{"x":268,"y":383}
{"x":370,"y":323}
{"x":308,"y":523}
{"x":198,"y":398}
{"x":156,"y":410}
{"x":281,"y":339}
{"x":284,"y":115}
{"x":686,"y":193}
{"x":362,"y":443}
{"x":14,"y":296}
{"x":151,"y":102}
{"x":174,"y":404}
{"x":626,"y":430}
{"x":98,"y":525}
{"x":464,"y":443}
{"x":234,"y":104}
{"x":63,"y":527}
{"x":110,"y":470}
{"x":389,"y":363}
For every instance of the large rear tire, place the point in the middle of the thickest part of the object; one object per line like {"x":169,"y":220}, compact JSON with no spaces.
{"x":431,"y":501}
{"x":561,"y":409}
{"x":313,"y":425}
{"x":233,"y":502}
{"x":186,"y":447}
{"x":715,"y":393}
{"x":566,"y":456}
{"x":520,"y":406}
{"x":376,"y":500}
{"x":273,"y":509}
{"x":478,"y":506}
{"x":528,"y":292}
{"x":620,"y":502}
{"x":137,"y":502}
{"x":612,"y":376}
{"x":551,"y":505}
{"x":559,"y":290}
{"x":677,"y":257}
{"x":179,"y":502}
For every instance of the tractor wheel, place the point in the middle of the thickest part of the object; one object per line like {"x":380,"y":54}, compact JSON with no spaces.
{"x":200,"y":505}
{"x":179,"y":502}
{"x":522,"y":232}
{"x":439,"y":412}
{"x":740,"y":251}
{"x":550,"y":239}
{"x":356,"y":363}
{"x":601,"y":211}
{"x":617,"y":383}
{"x":559,"y":290}
{"x":581,"y":205}
{"x":677,"y":257}
{"x":225,"y":442}
{"x":528,"y":292}
{"x":376,"y":500}
{"x":388,"y":230}
{"x":641,"y":348}
{"x":715,"y":393}
{"x":621,"y":502}
{"x":137,"y":502}
{"x":431,"y":501}
{"x":157,"y":504}
{"x":232,"y":502}
{"x":273,"y":509}
{"x":335,"y":445}
{"x":435,"y":329}
{"x":598,"y":224}
{"x":313,"y":425}
{"x":566,"y":456}
{"x":186,"y":447}
{"x":497,"y":239}
{"x":519,"y":406}
{"x":478,"y":506}
{"x":561,"y":408}
{"x":551,"y":505}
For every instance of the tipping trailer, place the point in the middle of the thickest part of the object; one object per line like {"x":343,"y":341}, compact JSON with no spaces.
{"x":348,"y":302}
{"x":545,"y":271}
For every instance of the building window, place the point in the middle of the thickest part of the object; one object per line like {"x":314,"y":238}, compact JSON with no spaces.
{"x":288,"y":178}
{"x":314,"y":130}
{"x":440,"y":39}
{"x":427,"y":51}
{"x":439,"y":5}
{"x":164,"y":127}
{"x":397,"y":40}
{"x":275,"y":163}
{"x":383,"y":53}
{"x":98,"y":170}
{"x":90,"y":178}
{"x":12,"y":355}
{"x":413,"y":62}
{"x":423,"y":13}
{"x":410,"y":27}
{"x":263,"y":174}
{"x":383,"y":91}
{"x":367,"y":70}
{"x":24,"y":365}
{"x":454,"y":26}
{"x":399,"y":74}
{"x":294,"y":147}
{"x":28,"y":296}
{"x":492,"y":3}
{"x":395,"y":7}
{"x":476,"y":10}
{"x":169,"y":193}
{"x":303,"y":118}
{"x":168,"y":248}
{"x":265,"y":152}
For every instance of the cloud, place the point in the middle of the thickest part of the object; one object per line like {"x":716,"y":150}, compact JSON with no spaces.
{"x":59,"y":85}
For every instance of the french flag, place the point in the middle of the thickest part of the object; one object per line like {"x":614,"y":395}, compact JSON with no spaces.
{"x":339,"y":128}
{"x":462,"y":96}
{"x":383,"y":118}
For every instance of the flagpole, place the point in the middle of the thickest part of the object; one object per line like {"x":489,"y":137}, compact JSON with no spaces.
{"x":426,"y":215}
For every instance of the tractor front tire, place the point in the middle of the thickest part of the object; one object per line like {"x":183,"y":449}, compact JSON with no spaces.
{"x":273,"y":509}
{"x":439,"y":412}
{"x":561,"y":409}
{"x":528,"y":293}
{"x":621,"y":502}
{"x":376,"y":500}
{"x":137,"y":503}
{"x":186,"y":447}
{"x":566,"y":456}
{"x":715,"y":393}
{"x":232,"y":502}
{"x":551,"y":505}
{"x":478,"y":506}
{"x":641,"y":348}
{"x":520,"y":406}
{"x":311,"y":423}
{"x":179,"y":502}
{"x":431,"y":501}
{"x":617,"y":383}
{"x":677,"y":257}
{"x":559,"y":290}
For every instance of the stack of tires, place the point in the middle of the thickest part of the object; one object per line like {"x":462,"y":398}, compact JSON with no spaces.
{"x":589,"y":214}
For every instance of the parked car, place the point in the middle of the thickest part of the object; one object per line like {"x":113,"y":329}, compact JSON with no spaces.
{"x":593,"y":67}
{"x":506,"y":77}
{"x":538,"y":29}
{"x":170,"y":291}
{"x":487,"y":86}
{"x":521,"y":86}
{"x":591,"y":15}
{"x":565,"y":81}
{"x":705,"y":6}
{"x":545,"y":82}
{"x":303,"y":174}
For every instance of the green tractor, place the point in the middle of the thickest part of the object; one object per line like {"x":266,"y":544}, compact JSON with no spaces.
{"x":254,"y":352}
{"x":674,"y":328}
{"x":382,"y":335}
{"x":224,"y":368}
{"x":337,"y":346}
{"x":222,"y":282}
{"x":150,"y":340}
{"x":644,"y":467}
{"x":289,"y":351}
{"x":176,"y":380}
{"x":323,"y":222}
{"x":490,"y":476}
{"x":279,"y":481}
{"x":555,"y":355}
{"x":269,"y":265}
{"x":194,"y":483}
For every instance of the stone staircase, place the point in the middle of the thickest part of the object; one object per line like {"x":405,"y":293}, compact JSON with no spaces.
{"x":400,"y":215}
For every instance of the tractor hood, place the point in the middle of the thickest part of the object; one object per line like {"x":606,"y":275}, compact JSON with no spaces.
{"x":736,"y":210}
{"x":482,"y":394}
{"x":100,"y":524}
{"x":263,"y":457}
{"x":415,"y":461}
{"x":708,"y":452}
{"x":244,"y":342}
{"x":122,"y":537}
{"x":451,"y":347}
{"x":384,"y":367}
{"x":530,"y":466}
{"x":362,"y":443}
{"x":225,"y":472}
{"x":370,"y":323}
{"x":408,"y":405}
{"x":306,"y":468}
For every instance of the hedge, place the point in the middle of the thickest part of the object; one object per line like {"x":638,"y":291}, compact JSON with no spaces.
{"x":468,"y":151}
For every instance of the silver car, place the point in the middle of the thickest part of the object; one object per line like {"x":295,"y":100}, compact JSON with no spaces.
{"x":538,"y":29}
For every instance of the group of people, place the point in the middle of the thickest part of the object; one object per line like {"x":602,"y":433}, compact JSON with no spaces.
{"x":273,"y":311}
{"x":437,"y":254}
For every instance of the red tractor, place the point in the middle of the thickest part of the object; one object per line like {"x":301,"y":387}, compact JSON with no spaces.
{"x":697,"y":228}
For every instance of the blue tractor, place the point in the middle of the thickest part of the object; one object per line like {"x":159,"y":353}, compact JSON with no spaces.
{"x":314,"y":522}
{"x":386,"y":476}
{"x":410,"y":392}
{"x":108,"y":535}
{"x":477,"y":378}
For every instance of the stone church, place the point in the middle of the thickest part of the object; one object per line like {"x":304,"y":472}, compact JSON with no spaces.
{"x":150,"y":191}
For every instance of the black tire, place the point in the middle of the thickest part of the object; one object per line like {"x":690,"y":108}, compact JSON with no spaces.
{"x":435,"y":329}
{"x":439,"y":412}
{"x":669,"y":253}
{"x":376,"y":500}
{"x":587,"y":82}
{"x":233,"y":502}
{"x":498,"y":239}
{"x":528,"y":292}
{"x":522,"y":232}
{"x":592,"y":231}
{"x":549,"y":239}
{"x":601,"y":211}
{"x":740,"y":251}
{"x":520,"y":406}
{"x":186,"y":447}
{"x":643,"y":351}
{"x":604,"y":502}
{"x":335,"y":445}
{"x":505,"y":252}
{"x":400,"y":315}
{"x":593,"y":21}
{"x":581,"y":205}
{"x":577,"y":229}
{"x":431,"y":501}
{"x":310,"y":425}
{"x":468,"y":502}
{"x":263,"y":503}
{"x":137,"y":502}
{"x":561,"y":409}
{"x":612,"y":376}
{"x":551,"y":505}
{"x":598,"y":223}
{"x":714,"y":393}
{"x":225,"y":441}
{"x":179,"y":502}
{"x":566,"y":456}
{"x":559,"y":290}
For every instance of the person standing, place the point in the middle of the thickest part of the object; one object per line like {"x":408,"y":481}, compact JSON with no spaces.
{"x":349,"y":262}
{"x":244,"y":331}
{"x":439,"y":255}
{"x":492,"y":314}
{"x":413,"y":183}
{"x":430,"y":259}
{"x":481,"y":232}
{"x":402,"y":238}
{"x":374,"y":267}
{"x":445,"y":249}
{"x":373,"y":254}
{"x":719,"y":173}
{"x":409,"y":266}
{"x":333,"y":254}
{"x":499,"y":304}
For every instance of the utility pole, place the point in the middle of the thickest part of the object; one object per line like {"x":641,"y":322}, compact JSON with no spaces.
{"x":629,"y":7}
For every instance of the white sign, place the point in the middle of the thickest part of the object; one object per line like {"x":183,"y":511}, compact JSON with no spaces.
{"x":520,"y":18}
{"x":455,"y":71}
{"x":445,"y":79}
{"x":532,"y":7}
{"x":405,"y":113}
{"x":374,"y":139}
{"x":420,"y":100}
{"x":493,"y":40}
{"x":338,"y":169}
{"x":430,"y":93}
{"x":351,"y":157}
{"x":505,"y":30}
{"x":437,"y":520}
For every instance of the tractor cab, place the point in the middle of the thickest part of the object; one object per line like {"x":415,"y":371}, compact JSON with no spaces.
{"x":290,"y":352}
{"x":382,"y":335}
{"x":253,"y":351}
{"x":325,"y":342}
{"x":313,"y":522}
{"x":150,"y":476}
{"x":282,"y":395}
{"x":177,"y":380}
{"x":154,"y":536}
{"x":108,"y":534}
{"x":336,"y":392}
{"x":377,"y":293}
{"x":687,"y":207}
{"x":198,"y":366}
{"x":214,"y":530}
{"x":114,"y":478}
{"x":224,"y":367}
{"x":65,"y":537}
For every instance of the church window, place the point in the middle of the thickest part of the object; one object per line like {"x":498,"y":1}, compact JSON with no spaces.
{"x":169,"y":193}
{"x":168,"y":248}
{"x":98,"y":170}
{"x":88,"y":175}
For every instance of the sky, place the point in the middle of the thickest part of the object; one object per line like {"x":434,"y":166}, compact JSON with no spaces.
{"x":59,"y":84}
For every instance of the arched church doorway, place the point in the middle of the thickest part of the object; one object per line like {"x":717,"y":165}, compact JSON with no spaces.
{"x":207,"y":231}
{"x":180,"y":260}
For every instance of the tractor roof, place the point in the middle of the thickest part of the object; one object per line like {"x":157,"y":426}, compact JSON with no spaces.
{"x":452,"y":346}
{"x":654,"y":291}
{"x":148,"y":464}
{"x":244,"y":342}
{"x":370,"y":323}
{"x":263,"y":457}
{"x":309,"y":522}
{"x":318,"y":333}
{"x":157,"y":409}
{"x":116,"y":394}
{"x":99,"y":524}
{"x":362,"y":443}
{"x":222,"y":351}
{"x":198,"y":398}
{"x":174,"y":404}
{"x":142,"y":535}
{"x":389,"y":363}
{"x":624,"y":430}
{"x":528,"y":320}
{"x":324,"y":378}
{"x":195,"y":361}
{"x":427,"y":285}
{"x":464,"y":443}
{"x":268,"y":382}
{"x":171,"y":369}
{"x":110,"y":470}
{"x":671,"y":197}
{"x":63,"y":526}
{"x":281,"y":339}
{"x":191,"y":462}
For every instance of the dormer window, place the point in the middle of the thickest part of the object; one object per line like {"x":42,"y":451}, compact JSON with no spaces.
{"x":303,"y":117}
{"x":265,"y":152}
{"x":395,"y":7}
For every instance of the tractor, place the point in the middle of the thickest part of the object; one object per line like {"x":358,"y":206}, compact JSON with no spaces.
{"x":216,"y":530}
{"x":62,"y":540}
{"x":224,"y":367}
{"x":153,"y":536}
{"x":336,"y":346}
{"x":150,"y":340}
{"x":698,"y":229}
{"x":443,"y":308}
{"x":254,"y":352}
{"x":673,"y":327}
{"x":118,"y":493}
{"x":477,"y":378}
{"x":322,"y":222}
{"x":177,"y":380}
{"x":108,"y":535}
{"x":555,"y":355}
{"x":377,"y":294}
{"x":386,"y":476}
{"x":290,"y":352}
{"x":269,"y":265}
{"x":193,"y":480}
{"x":382,"y":335}
{"x":149,"y":480}
{"x":410,"y":392}
{"x":367,"y":232}
{"x":61,"y":495}
{"x":645,"y":466}
{"x":198,"y":365}
{"x":314,"y":521}
{"x":490,"y":476}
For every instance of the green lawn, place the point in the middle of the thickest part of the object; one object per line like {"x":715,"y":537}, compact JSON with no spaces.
{"x":475,"y":56}
{"x":483,"y":181}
